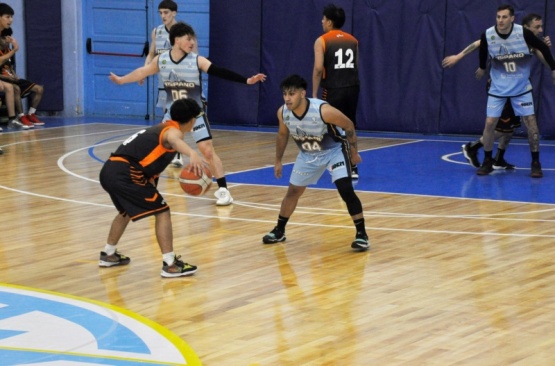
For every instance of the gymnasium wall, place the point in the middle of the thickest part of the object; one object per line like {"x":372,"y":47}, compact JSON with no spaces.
{"x":43,"y":40}
{"x":404,"y":88}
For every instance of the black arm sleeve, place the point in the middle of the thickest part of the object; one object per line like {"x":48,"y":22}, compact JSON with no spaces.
{"x":226,"y":74}
{"x":536,"y":43}
{"x":483,"y":52}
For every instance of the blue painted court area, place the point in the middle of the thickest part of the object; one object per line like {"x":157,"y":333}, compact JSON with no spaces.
{"x":413,"y":164}
{"x":437,"y":167}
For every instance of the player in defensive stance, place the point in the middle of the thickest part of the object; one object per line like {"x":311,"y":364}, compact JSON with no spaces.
{"x":130,"y":176}
{"x":181,"y":71}
{"x":317,"y":129}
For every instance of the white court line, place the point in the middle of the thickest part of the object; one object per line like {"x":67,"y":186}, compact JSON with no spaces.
{"x":218,"y":217}
{"x":447,"y":158}
{"x":307,"y":210}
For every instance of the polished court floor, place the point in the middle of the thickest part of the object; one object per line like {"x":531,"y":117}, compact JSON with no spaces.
{"x":460,"y":270}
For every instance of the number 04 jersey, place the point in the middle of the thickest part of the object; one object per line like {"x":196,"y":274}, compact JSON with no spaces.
{"x":311,"y":133}
{"x":510,"y":63}
{"x":181,"y":79}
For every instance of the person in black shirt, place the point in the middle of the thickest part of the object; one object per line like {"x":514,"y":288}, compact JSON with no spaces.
{"x":130,"y":177}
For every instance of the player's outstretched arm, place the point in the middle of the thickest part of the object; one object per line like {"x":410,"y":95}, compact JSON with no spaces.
{"x":136,"y":75}
{"x":451,"y":61}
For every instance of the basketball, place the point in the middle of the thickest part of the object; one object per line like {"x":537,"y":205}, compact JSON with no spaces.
{"x":194,"y":185}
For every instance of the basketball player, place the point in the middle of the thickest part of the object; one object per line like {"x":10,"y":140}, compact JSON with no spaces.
{"x":508,"y":46}
{"x":181,"y":69}
{"x":130,"y":176}
{"x":327,"y":140}
{"x":160,"y":42}
{"x":336,"y":66}
{"x":508,"y":121}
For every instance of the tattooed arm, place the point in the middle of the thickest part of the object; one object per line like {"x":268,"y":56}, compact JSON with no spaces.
{"x":334,"y":116}
{"x":451,"y":61}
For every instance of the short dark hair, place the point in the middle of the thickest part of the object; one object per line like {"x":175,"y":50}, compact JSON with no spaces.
{"x":167,"y":4}
{"x":335,"y":14}
{"x":5,"y":9}
{"x":6,"y":32}
{"x":528,"y":19}
{"x":183,"y":110}
{"x":507,"y":7}
{"x":293,"y":82}
{"x":180,"y":29}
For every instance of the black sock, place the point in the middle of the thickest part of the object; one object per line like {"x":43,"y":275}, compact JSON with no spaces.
{"x":222,"y":183}
{"x":282,"y":221}
{"x":487,"y":154}
{"x":535,"y":156}
{"x":11,"y":118}
{"x":359,"y":224}
{"x":499,"y":156}
{"x":475,"y":145}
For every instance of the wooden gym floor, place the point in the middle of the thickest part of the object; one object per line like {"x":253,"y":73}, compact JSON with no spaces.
{"x":460,"y":272}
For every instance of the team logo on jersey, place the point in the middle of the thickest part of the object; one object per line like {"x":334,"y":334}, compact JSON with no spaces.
{"x":302,"y":135}
{"x":509,"y":57}
{"x":179,"y":84}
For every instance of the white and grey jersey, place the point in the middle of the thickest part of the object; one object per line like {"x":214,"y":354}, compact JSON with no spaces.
{"x":181,"y":79}
{"x":311,"y":133}
{"x":162,"y":44}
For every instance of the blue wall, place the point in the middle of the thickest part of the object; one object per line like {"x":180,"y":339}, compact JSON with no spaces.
{"x":402,"y":44}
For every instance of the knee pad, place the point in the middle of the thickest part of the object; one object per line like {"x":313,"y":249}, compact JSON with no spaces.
{"x":347,"y":193}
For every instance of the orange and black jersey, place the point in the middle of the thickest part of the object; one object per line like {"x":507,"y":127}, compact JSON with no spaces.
{"x":145,"y":151}
{"x":340,"y":60}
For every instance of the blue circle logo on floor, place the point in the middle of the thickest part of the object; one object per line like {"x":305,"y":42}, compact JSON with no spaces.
{"x":45,"y":328}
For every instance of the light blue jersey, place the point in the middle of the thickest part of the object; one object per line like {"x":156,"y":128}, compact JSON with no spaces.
{"x":162,"y":44}
{"x":182,"y":79}
{"x":321,"y":146}
{"x":310,"y":132}
{"x":510,"y":63}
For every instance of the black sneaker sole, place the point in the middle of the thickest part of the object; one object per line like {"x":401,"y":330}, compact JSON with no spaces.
{"x":267,"y":240}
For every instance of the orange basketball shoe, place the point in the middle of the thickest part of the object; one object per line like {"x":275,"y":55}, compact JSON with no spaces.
{"x":34,"y":119}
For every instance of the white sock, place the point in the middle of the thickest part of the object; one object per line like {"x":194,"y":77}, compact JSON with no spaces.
{"x":109,"y":249}
{"x":169,"y":258}
{"x":20,"y":115}
{"x":32,"y":110}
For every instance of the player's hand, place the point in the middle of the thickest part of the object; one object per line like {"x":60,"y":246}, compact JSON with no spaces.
{"x":278,"y":169}
{"x":480,"y":73}
{"x":449,"y":61}
{"x":547,"y":41}
{"x":141,"y":82}
{"x":355,"y":158}
{"x":116,"y":79}
{"x":256,"y":78}
{"x":196,"y":163}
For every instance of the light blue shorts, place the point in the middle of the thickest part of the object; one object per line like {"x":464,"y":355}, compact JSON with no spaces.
{"x":523,"y":105}
{"x":201,"y":129}
{"x":162,"y":95}
{"x":309,"y":168}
